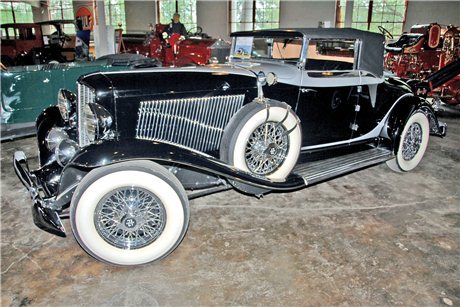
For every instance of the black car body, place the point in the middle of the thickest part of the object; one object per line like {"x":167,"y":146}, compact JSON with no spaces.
{"x":292,"y":108}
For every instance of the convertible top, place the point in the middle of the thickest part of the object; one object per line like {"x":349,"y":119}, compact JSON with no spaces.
{"x":372,"y":44}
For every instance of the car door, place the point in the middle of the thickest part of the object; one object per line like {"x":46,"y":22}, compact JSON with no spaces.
{"x":328,"y":92}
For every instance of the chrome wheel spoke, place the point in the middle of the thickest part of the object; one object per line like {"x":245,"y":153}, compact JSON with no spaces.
{"x":412,"y":141}
{"x":130,"y":217}
{"x":266,"y":148}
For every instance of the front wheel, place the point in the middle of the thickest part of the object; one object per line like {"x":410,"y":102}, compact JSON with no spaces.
{"x":129,"y":213}
{"x":413,"y":143}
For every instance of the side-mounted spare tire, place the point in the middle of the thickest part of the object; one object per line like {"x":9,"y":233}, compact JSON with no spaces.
{"x":264,"y":139}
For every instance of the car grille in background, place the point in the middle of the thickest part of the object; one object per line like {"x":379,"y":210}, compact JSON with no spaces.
{"x":196,"y":123}
{"x":85,"y":95}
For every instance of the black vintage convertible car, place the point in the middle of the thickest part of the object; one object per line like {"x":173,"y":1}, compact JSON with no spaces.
{"x":123,"y":155}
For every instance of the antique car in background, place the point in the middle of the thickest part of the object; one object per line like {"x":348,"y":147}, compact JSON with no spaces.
{"x":27,"y":90}
{"x":424,"y":51}
{"x":197,"y":48}
{"x":37,"y":43}
{"x":286,"y":112}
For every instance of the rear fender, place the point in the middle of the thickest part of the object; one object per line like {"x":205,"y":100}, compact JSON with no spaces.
{"x":401,"y":113}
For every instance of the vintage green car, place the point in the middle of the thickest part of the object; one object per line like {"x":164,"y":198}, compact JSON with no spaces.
{"x":27,"y":90}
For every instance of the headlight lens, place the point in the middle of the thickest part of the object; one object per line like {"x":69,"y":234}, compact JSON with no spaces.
{"x":54,"y":137}
{"x":213,"y":60}
{"x":66,"y":103}
{"x":65,"y":151}
{"x":95,"y":125}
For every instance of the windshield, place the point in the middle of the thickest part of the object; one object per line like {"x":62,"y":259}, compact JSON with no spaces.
{"x":278,"y":48}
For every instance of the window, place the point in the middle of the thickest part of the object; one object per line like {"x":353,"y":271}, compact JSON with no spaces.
{"x":254,"y":15}
{"x":186,"y":9}
{"x":370,"y":14}
{"x":16,"y":12}
{"x":328,"y":55}
{"x":60,"y":10}
{"x":115,"y":13}
{"x":278,"y":48}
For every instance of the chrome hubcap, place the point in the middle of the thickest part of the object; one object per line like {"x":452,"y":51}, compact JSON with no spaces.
{"x":267,"y":148}
{"x":412,"y":141}
{"x":130,"y":217}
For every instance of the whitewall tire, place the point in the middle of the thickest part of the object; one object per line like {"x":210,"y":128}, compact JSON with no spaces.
{"x":129,"y":213}
{"x":413,"y":143}
{"x":264,"y":139}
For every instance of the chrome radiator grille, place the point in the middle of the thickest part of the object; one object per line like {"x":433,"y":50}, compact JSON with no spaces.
{"x":85,"y":95}
{"x":197,"y":123}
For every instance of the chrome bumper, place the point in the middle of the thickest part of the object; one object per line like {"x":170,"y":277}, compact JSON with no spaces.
{"x":44,"y":217}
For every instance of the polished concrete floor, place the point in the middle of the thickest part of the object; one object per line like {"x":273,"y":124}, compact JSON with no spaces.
{"x":374,"y":237}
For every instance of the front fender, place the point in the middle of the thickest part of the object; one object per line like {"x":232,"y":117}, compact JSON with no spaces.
{"x":114,"y":151}
{"x":49,"y":118}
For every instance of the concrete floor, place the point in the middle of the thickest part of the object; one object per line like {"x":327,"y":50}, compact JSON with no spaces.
{"x":374,"y":237}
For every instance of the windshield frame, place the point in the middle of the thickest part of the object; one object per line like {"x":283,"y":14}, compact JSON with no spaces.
{"x":297,"y":61}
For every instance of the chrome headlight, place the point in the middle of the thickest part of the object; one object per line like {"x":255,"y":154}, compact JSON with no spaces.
{"x":97,"y":122}
{"x":213,"y":60}
{"x":54,"y":137}
{"x":65,"y":151}
{"x":66,"y":103}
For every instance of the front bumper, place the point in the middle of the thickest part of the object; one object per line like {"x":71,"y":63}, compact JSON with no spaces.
{"x":44,"y":217}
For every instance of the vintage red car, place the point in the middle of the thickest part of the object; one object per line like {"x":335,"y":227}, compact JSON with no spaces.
{"x":424,"y":51}
{"x":197,"y":48}
{"x":37,"y":43}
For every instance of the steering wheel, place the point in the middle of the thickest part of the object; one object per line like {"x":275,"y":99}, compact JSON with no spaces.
{"x":197,"y":31}
{"x":385,"y":32}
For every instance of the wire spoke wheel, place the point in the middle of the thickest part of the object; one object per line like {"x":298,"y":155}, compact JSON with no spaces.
{"x":267,"y":148}
{"x":412,"y":141}
{"x":130,"y":217}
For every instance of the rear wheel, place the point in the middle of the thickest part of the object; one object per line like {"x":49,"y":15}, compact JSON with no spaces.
{"x":413,"y":143}
{"x":129,"y":213}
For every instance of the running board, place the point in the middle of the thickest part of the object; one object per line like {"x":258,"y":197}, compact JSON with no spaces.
{"x":317,"y":171}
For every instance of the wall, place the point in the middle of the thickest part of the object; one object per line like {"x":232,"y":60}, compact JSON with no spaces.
{"x":423,"y":12}
{"x":139,"y":14}
{"x":212,"y":16}
{"x":306,"y":14}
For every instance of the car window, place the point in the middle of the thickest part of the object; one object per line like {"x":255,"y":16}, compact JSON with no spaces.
{"x":331,"y":55}
{"x":277,"y":48}
{"x":4,"y":34}
{"x":11,"y":32}
{"x":27,"y":34}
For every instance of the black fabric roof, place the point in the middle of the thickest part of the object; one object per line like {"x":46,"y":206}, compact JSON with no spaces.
{"x":370,"y":58}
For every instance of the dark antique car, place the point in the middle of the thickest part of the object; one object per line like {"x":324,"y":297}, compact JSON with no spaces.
{"x":118,"y":156}
{"x":37,"y":43}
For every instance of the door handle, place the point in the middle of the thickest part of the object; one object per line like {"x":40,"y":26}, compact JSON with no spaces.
{"x":308,"y":90}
